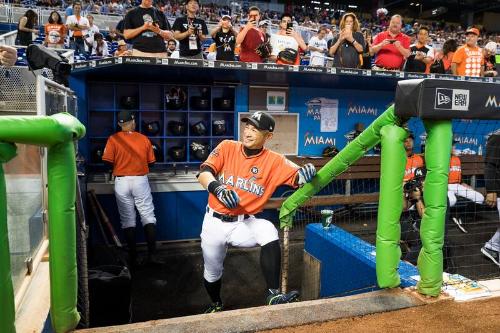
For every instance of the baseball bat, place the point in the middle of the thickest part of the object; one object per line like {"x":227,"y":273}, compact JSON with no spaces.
{"x":93,"y":207}
{"x":105,"y":219}
{"x":286,"y":251}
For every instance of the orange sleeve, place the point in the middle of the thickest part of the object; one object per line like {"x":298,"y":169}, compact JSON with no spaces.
{"x":45,"y":29}
{"x":216,"y":158}
{"x":458,"y":56}
{"x":286,"y":171}
{"x":151,"y":154}
{"x":109,"y":151}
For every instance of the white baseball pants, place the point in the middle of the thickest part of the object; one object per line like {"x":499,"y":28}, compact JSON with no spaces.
{"x":464,"y":192}
{"x":131,"y":192}
{"x":217,"y":235}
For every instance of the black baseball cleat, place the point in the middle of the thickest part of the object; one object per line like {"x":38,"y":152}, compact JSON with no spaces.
{"x":215,"y":307}
{"x":492,"y":255}
{"x":276,"y":297}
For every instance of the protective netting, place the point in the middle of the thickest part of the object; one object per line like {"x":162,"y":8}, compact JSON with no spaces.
{"x":353,"y":200}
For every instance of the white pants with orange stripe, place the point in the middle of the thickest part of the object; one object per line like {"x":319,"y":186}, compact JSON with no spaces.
{"x":217,"y":235}
{"x":464,"y":192}
{"x":131,"y":192}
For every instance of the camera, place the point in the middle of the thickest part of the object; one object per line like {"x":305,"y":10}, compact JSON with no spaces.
{"x":392,"y":41}
{"x":416,"y":183}
{"x":289,"y":25}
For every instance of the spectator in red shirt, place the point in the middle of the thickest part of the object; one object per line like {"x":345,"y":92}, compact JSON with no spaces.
{"x":250,"y":37}
{"x":392,"y":47}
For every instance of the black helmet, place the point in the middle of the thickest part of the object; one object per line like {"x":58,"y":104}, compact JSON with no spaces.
{"x":97,"y":153}
{"x":177,"y":153}
{"x":176,"y":98}
{"x":128,"y":102}
{"x":219,"y":127}
{"x":420,"y":173}
{"x":177,"y":128}
{"x":158,"y":152}
{"x":199,"y":128}
{"x":152,"y":128}
{"x":200,"y":150}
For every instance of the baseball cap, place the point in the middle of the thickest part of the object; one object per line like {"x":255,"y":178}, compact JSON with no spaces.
{"x":125,"y":116}
{"x":474,"y":31}
{"x":491,"y":46}
{"x":261,"y":120}
{"x":226,"y":17}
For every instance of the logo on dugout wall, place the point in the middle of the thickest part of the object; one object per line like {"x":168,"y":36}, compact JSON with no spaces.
{"x":452,"y":99}
{"x":492,"y":102}
{"x":311,"y":139}
{"x":361,"y":109}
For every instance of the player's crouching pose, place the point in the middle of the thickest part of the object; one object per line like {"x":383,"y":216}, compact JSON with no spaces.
{"x":241,"y":177}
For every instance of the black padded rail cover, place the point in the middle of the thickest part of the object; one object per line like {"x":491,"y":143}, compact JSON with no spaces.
{"x":445,"y":99}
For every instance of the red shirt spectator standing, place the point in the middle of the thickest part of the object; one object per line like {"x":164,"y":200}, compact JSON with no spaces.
{"x":392,"y":47}
{"x":250,"y":37}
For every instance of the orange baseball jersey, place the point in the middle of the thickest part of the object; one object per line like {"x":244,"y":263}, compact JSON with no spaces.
{"x":469,"y":60}
{"x":253,"y":178}
{"x":412,"y":162}
{"x":130,"y":153}
{"x":455,"y":175}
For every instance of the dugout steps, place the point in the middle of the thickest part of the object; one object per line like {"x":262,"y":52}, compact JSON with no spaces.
{"x":276,"y":316}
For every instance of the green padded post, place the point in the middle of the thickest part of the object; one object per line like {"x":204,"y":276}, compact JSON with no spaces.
{"x":392,"y":169}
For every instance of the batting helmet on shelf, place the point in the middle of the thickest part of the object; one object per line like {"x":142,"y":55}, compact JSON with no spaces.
{"x":128,"y":102}
{"x":97,"y":153}
{"x":152,"y":128}
{"x":157,"y":151}
{"x":219,"y":127}
{"x":200,"y":150}
{"x":177,"y":153}
{"x":176,"y":98}
{"x":177,"y":128}
{"x":199,"y":129}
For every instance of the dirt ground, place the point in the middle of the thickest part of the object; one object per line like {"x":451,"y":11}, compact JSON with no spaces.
{"x":447,"y":316}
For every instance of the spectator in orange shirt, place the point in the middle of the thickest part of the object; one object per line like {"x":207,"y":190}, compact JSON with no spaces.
{"x":55,"y":31}
{"x":468,"y":60}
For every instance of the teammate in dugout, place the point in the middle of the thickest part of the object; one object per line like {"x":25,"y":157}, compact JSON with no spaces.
{"x":241,"y":177}
{"x":131,"y":153}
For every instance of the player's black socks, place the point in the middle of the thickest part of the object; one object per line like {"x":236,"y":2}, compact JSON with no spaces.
{"x":213,"y":290}
{"x":150,"y":233}
{"x":270,"y":261}
{"x":130,"y":238}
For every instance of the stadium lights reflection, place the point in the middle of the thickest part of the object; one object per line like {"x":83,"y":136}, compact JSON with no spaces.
{"x":352,"y":6}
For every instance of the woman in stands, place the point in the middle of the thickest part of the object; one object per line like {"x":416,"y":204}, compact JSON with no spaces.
{"x":55,"y":31}
{"x":26,"y":28}
{"x":442,"y":63}
{"x":348,"y":45}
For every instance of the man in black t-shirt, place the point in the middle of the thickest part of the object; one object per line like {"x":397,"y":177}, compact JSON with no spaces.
{"x":421,"y":54}
{"x":225,"y":39}
{"x":148,"y":29}
{"x":190,"y":31}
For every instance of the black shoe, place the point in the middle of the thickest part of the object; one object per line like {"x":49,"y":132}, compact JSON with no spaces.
{"x":215,"y":307}
{"x":492,"y":255}
{"x":459,"y":224}
{"x":275,"y":297}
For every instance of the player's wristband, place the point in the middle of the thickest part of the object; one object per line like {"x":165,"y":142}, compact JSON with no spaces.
{"x":214,"y":184}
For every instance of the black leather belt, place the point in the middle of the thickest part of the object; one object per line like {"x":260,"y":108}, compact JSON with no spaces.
{"x":226,"y":218}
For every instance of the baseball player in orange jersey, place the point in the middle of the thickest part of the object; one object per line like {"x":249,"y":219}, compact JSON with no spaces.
{"x":240,"y":177}
{"x":413,"y":162}
{"x":131,"y":153}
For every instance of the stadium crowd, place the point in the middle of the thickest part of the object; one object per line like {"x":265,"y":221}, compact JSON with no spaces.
{"x":380,"y":41}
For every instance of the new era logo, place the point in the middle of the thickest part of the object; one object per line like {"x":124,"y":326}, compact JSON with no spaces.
{"x":443,"y":99}
{"x":452,"y":99}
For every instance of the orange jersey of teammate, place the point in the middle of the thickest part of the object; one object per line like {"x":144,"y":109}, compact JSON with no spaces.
{"x":130,"y":153}
{"x":455,"y":175}
{"x":253,"y":178}
{"x":412,"y":162}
